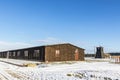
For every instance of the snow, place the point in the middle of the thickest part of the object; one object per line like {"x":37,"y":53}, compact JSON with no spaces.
{"x":91,"y":69}
{"x":17,"y":61}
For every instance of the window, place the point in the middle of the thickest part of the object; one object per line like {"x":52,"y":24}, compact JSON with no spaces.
{"x":57,"y":53}
{"x":36,"y":53}
{"x":26,"y":53}
{"x":10,"y":54}
{"x":18,"y":53}
{"x":13,"y":53}
{"x":76,"y":51}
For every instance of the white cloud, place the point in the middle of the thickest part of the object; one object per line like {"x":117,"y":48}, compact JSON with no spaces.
{"x":4,"y":45}
{"x":49,"y":40}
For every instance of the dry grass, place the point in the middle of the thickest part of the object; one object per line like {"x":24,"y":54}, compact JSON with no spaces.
{"x":78,"y":75}
{"x":30,"y":64}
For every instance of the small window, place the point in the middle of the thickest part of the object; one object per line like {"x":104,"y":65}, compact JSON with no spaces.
{"x":26,"y":53}
{"x":18,"y":53}
{"x":57,"y":53}
{"x":76,"y":51}
{"x":10,"y":54}
{"x":13,"y":53}
{"x":36,"y":53}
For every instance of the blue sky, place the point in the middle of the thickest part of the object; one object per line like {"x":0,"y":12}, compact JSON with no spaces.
{"x":85,"y":23}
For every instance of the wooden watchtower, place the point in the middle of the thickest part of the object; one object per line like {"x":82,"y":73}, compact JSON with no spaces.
{"x":99,"y":52}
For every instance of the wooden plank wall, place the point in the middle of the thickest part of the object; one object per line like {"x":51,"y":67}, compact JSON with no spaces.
{"x":66,"y":53}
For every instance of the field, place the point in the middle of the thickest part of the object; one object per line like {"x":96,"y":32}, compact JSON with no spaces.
{"x":91,"y":69}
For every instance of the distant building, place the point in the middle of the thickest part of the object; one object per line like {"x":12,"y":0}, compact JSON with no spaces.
{"x":114,"y":57}
{"x":57,"y":52}
{"x":99,"y":52}
{"x":89,"y":55}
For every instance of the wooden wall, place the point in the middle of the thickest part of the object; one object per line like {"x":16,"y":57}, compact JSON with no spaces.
{"x":21,"y":54}
{"x":59,"y":52}
{"x":67,"y":52}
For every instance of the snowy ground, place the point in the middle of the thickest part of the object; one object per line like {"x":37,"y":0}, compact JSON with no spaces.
{"x":91,"y":69}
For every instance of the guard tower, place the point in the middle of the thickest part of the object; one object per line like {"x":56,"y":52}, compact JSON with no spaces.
{"x":99,"y":52}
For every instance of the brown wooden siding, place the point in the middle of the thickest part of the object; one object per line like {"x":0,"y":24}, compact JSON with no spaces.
{"x":67,"y":53}
{"x":59,"y":52}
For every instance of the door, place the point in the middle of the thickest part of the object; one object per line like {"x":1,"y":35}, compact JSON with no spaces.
{"x":76,"y":55}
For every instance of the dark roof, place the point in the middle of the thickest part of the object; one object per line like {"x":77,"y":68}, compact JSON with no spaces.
{"x":42,"y":46}
{"x":64,"y":44}
{"x":89,"y":55}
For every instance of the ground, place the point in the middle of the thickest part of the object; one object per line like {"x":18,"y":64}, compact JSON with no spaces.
{"x":90,"y":69}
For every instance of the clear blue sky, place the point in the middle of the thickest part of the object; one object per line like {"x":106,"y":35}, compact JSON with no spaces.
{"x":85,"y":23}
